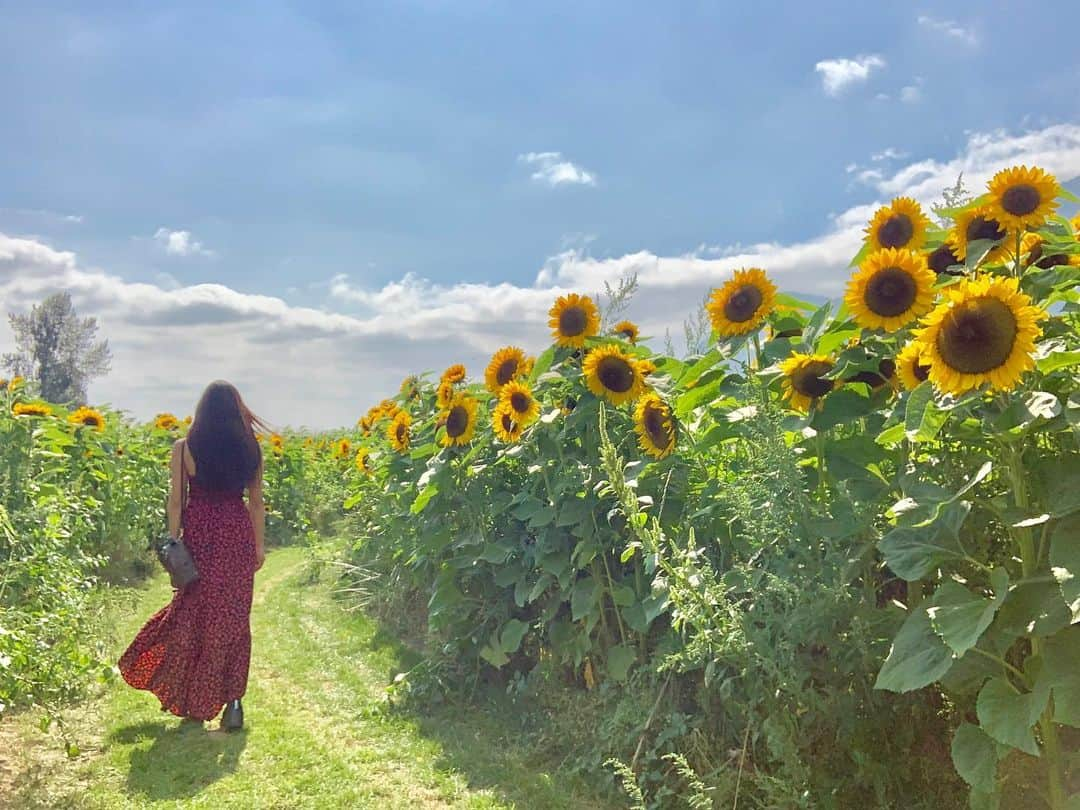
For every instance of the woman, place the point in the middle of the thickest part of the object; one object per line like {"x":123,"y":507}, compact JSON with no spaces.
{"x":194,"y":653}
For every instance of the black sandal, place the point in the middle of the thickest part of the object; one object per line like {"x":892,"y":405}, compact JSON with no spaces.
{"x":232,"y":719}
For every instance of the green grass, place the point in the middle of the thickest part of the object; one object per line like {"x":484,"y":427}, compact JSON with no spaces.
{"x":318,"y":734}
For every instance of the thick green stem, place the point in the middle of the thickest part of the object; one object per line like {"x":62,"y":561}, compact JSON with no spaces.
{"x":1029,"y":559}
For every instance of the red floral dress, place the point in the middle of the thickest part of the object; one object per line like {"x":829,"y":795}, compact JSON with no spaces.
{"x":194,"y":653}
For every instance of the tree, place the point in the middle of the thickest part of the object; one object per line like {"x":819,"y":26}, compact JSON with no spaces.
{"x":58,"y":349}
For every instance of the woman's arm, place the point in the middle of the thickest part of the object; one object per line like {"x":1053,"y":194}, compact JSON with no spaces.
{"x":257,"y":509}
{"x":175,"y":502}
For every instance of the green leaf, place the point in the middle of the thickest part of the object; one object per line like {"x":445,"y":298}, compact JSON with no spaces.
{"x":918,"y":656}
{"x":426,"y":494}
{"x":542,"y":364}
{"x":495,"y":553}
{"x":912,"y":552}
{"x":961,"y":617}
{"x":1032,"y":609}
{"x":583,"y":598}
{"x":494,"y":656}
{"x":1065,"y":563}
{"x":1007,"y":716}
{"x":922,"y":418}
{"x":1059,"y":480}
{"x":619,"y":660}
{"x":1061,"y":672}
{"x":542,"y":517}
{"x":1059,"y":359}
{"x":974,"y":755}
{"x":511,"y":634}
{"x":840,"y":408}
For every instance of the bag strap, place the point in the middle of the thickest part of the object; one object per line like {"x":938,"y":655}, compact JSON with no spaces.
{"x":183,"y":484}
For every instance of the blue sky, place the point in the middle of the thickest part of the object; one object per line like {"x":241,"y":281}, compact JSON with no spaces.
{"x":320,"y":153}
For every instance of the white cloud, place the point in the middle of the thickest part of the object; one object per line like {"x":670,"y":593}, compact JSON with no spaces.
{"x":553,"y":170}
{"x":181,"y":243}
{"x":911,"y":94}
{"x":323,"y":367}
{"x":890,"y":153}
{"x":951,"y":29}
{"x":837,"y":75}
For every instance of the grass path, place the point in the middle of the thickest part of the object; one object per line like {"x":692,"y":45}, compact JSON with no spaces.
{"x":318,"y":733}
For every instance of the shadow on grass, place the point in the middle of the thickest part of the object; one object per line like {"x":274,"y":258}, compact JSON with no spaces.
{"x":485,"y":739}
{"x":182,"y":760}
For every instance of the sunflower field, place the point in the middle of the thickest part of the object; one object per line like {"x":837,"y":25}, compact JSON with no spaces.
{"x":831,"y":560}
{"x":839,"y":550}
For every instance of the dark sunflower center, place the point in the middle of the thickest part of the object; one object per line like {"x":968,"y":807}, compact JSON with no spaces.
{"x":654,"y":426}
{"x":887,"y":368}
{"x":742,"y":305}
{"x":402,"y":433}
{"x":615,"y":374}
{"x":456,"y":421}
{"x":921,"y":372}
{"x":984,"y":228}
{"x":896,"y":231}
{"x":1053,"y":260}
{"x":507,"y":423}
{"x":627,"y":333}
{"x":1020,"y":200}
{"x":572,"y":321}
{"x":890,"y":292}
{"x":90,"y":420}
{"x":942,"y":259}
{"x":506,"y":371}
{"x":808,"y":381}
{"x":977,"y":335}
{"x":868,"y":377}
{"x":520,"y":402}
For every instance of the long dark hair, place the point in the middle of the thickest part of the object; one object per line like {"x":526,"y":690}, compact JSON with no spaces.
{"x":222,"y":439}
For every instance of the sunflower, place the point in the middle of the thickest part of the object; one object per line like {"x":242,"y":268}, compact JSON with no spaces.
{"x":460,"y":420}
{"x":506,"y":364}
{"x":983,"y":333}
{"x":901,"y":224}
{"x":740,"y":306}
{"x":627,"y":330}
{"x":1032,"y":246}
{"x":454,"y":374}
{"x":646,"y":367}
{"x":891,"y":288}
{"x":363,"y":460}
{"x":365,"y":424}
{"x":166,"y":421}
{"x":14,"y":383}
{"x":342,"y":448}
{"x":974,"y":224}
{"x":1023,"y":198}
{"x":3,"y":383}
{"x":398,"y":432}
{"x":885,"y":375}
{"x":911,"y":366}
{"x":803,"y":381}
{"x":568,"y":405}
{"x":613,"y":375}
{"x":573,"y":318}
{"x":31,"y":409}
{"x":655,"y":426}
{"x":505,"y":423}
{"x":1075,"y":222}
{"x":410,"y":387}
{"x":188,"y":420}
{"x":444,"y":394}
{"x":277,"y":444}
{"x":942,"y":258}
{"x":88,"y":417}
{"x":518,"y":397}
